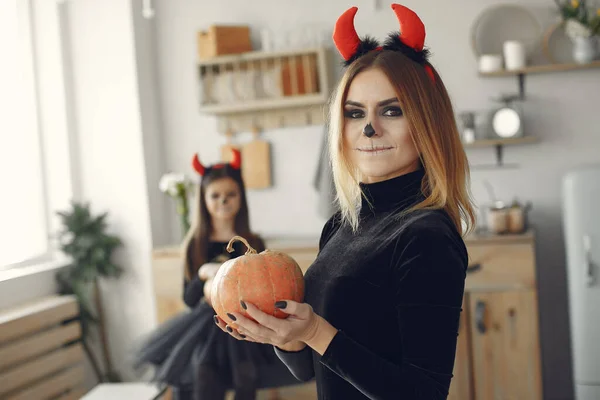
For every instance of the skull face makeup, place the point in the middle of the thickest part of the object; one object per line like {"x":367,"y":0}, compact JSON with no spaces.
{"x":369,"y":131}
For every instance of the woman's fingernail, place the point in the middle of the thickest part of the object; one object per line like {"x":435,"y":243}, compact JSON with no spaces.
{"x":216,"y":319}
{"x":281,"y":304}
{"x":229,"y":329}
{"x":242,"y":336}
{"x":231,"y":316}
{"x":244,"y":306}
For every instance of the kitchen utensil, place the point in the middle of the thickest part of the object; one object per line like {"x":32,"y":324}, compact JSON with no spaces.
{"x":490,"y":63}
{"x":517,"y":217}
{"x":503,"y":22}
{"x":226,"y":155}
{"x":497,"y":218}
{"x":514,"y":55}
{"x":256,"y":162}
{"x":557,"y":46}
{"x":467,"y":126}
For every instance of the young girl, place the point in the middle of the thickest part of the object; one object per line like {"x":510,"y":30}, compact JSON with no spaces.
{"x":190,"y":352}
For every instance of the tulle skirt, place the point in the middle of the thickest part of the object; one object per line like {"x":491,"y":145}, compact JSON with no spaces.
{"x":183,"y":345}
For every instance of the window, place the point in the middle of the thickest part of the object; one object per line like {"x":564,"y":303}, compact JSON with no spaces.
{"x":28,"y":197}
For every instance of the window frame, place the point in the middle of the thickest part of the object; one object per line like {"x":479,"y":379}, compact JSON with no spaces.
{"x":48,"y":51}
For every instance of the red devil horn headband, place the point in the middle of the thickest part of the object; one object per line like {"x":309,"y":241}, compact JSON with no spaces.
{"x":412,"y":30}
{"x":235,"y":163}
{"x":410,"y":40}
{"x":344,"y":34}
{"x":197,"y":165}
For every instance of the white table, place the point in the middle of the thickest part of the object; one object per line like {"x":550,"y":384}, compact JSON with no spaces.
{"x":123,"y":391}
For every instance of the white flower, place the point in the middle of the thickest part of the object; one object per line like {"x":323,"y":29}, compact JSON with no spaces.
{"x":169,"y":183}
{"x":574,"y":28}
{"x":173,"y":190}
{"x":164,"y":183}
{"x":179,"y":178}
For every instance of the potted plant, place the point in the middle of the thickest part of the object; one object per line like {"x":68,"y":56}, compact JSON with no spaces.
{"x":582,"y":26}
{"x":84,"y":239}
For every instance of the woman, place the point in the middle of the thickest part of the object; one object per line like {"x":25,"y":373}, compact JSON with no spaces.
{"x":190,"y":353}
{"x":383,"y":298}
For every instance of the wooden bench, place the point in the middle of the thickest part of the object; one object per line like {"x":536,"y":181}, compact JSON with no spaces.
{"x":41,"y":355}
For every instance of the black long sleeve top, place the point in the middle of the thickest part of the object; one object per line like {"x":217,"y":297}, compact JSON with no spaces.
{"x":394,"y":291}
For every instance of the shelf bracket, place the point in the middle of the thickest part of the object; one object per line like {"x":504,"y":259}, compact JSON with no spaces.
{"x":521,"y":78}
{"x":499,"y":154}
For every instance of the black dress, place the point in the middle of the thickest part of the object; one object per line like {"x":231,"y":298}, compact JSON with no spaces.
{"x":189,"y":343}
{"x":394,"y":291}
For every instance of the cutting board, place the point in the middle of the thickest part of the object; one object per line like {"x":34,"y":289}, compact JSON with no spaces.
{"x":226,"y":155}
{"x":256,"y":163}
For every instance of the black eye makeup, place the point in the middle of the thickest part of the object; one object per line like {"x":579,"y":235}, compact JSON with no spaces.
{"x":354,"y":114}
{"x":388,"y":111}
{"x":392,"y":111}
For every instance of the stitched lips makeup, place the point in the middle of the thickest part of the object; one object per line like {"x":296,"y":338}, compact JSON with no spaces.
{"x":374,"y":150}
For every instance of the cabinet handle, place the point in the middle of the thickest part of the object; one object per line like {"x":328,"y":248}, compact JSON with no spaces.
{"x":473,"y":268}
{"x":589,"y":265}
{"x":480,"y":316}
{"x":512,"y":318}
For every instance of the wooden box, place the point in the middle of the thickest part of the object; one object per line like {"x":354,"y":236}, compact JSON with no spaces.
{"x":223,"y":39}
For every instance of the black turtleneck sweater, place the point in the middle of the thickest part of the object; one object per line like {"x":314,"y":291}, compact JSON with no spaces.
{"x":394,"y":291}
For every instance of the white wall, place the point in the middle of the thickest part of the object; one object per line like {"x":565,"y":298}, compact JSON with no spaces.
{"x":561,"y":110}
{"x":118,"y":141}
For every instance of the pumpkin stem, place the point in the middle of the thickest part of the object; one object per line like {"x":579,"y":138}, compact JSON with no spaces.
{"x":241,"y":239}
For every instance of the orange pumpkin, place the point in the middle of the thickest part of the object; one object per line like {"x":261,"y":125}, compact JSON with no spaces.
{"x":257,"y":278}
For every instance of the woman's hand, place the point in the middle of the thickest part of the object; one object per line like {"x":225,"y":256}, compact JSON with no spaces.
{"x":302,"y":325}
{"x":208,"y":271}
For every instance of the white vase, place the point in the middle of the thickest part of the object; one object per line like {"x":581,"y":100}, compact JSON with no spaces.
{"x":584,"y":49}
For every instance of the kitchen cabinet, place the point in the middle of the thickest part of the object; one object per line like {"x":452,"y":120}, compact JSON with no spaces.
{"x":498,"y":349}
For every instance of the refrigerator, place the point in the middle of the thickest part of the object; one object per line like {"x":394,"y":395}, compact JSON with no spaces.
{"x":581,"y":224}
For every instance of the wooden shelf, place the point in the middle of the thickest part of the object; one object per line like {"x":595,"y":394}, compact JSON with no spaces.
{"x":265,"y":90}
{"x":498,"y":145}
{"x":501,"y":142}
{"x":540,"y":69}
{"x":258,"y":55}
{"x":266,"y":104}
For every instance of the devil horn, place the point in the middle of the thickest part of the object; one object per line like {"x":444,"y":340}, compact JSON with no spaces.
{"x":412,"y":30}
{"x":236,"y":161}
{"x":198,"y":167}
{"x":344,"y":34}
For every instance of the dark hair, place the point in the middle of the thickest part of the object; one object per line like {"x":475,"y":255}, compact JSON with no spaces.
{"x":197,"y":241}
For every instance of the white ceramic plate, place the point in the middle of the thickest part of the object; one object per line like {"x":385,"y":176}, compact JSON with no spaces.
{"x":558,"y":48}
{"x":503,"y":22}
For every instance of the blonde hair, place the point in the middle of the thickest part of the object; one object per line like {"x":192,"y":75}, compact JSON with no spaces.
{"x":430,"y":116}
